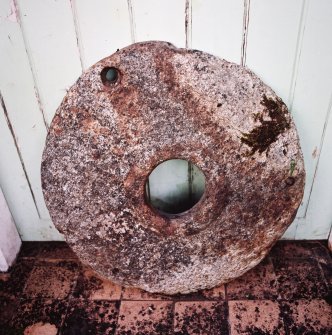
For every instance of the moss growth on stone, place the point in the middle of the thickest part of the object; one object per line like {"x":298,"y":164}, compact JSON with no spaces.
{"x":261,"y":137}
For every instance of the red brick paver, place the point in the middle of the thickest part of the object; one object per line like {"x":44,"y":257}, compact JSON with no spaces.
{"x":47,"y":292}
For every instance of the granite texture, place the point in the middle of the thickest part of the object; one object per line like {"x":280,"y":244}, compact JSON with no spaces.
{"x":106,"y":138}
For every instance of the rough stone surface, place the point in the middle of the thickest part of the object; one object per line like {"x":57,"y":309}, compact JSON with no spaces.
{"x":171,"y":103}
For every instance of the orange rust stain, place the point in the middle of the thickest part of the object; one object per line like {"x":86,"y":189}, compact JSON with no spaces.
{"x":56,"y":128}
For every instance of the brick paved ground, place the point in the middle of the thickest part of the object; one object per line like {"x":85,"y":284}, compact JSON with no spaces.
{"x":48,"y":292}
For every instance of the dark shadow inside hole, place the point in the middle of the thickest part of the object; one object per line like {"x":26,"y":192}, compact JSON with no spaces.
{"x":109,"y":76}
{"x":179,"y":206}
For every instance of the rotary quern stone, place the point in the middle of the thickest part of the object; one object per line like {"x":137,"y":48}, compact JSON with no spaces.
{"x":148,"y":103}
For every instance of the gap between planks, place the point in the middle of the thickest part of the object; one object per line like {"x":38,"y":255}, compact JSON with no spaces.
{"x":246,"y":12}
{"x":188,"y":23}
{"x":10,"y":127}
{"x":79,"y":43}
{"x":132,"y":21}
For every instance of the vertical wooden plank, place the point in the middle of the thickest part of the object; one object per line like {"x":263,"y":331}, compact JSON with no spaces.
{"x":20,"y":108}
{"x":102,"y":28}
{"x":217,"y":27}
{"x":318,"y":220}
{"x":10,"y":241}
{"x":50,"y":37}
{"x":160,"y":20}
{"x":313,"y":88}
{"x":273,"y":33}
{"x":17,"y":191}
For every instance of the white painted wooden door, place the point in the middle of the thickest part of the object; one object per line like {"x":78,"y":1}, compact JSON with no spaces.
{"x":46,"y":44}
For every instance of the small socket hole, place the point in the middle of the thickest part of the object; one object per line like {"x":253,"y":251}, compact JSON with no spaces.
{"x":109,"y":76}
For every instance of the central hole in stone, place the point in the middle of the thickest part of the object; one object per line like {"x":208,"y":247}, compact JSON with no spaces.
{"x":174,"y":186}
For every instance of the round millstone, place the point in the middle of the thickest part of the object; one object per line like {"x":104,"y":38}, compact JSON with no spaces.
{"x":148,"y":103}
